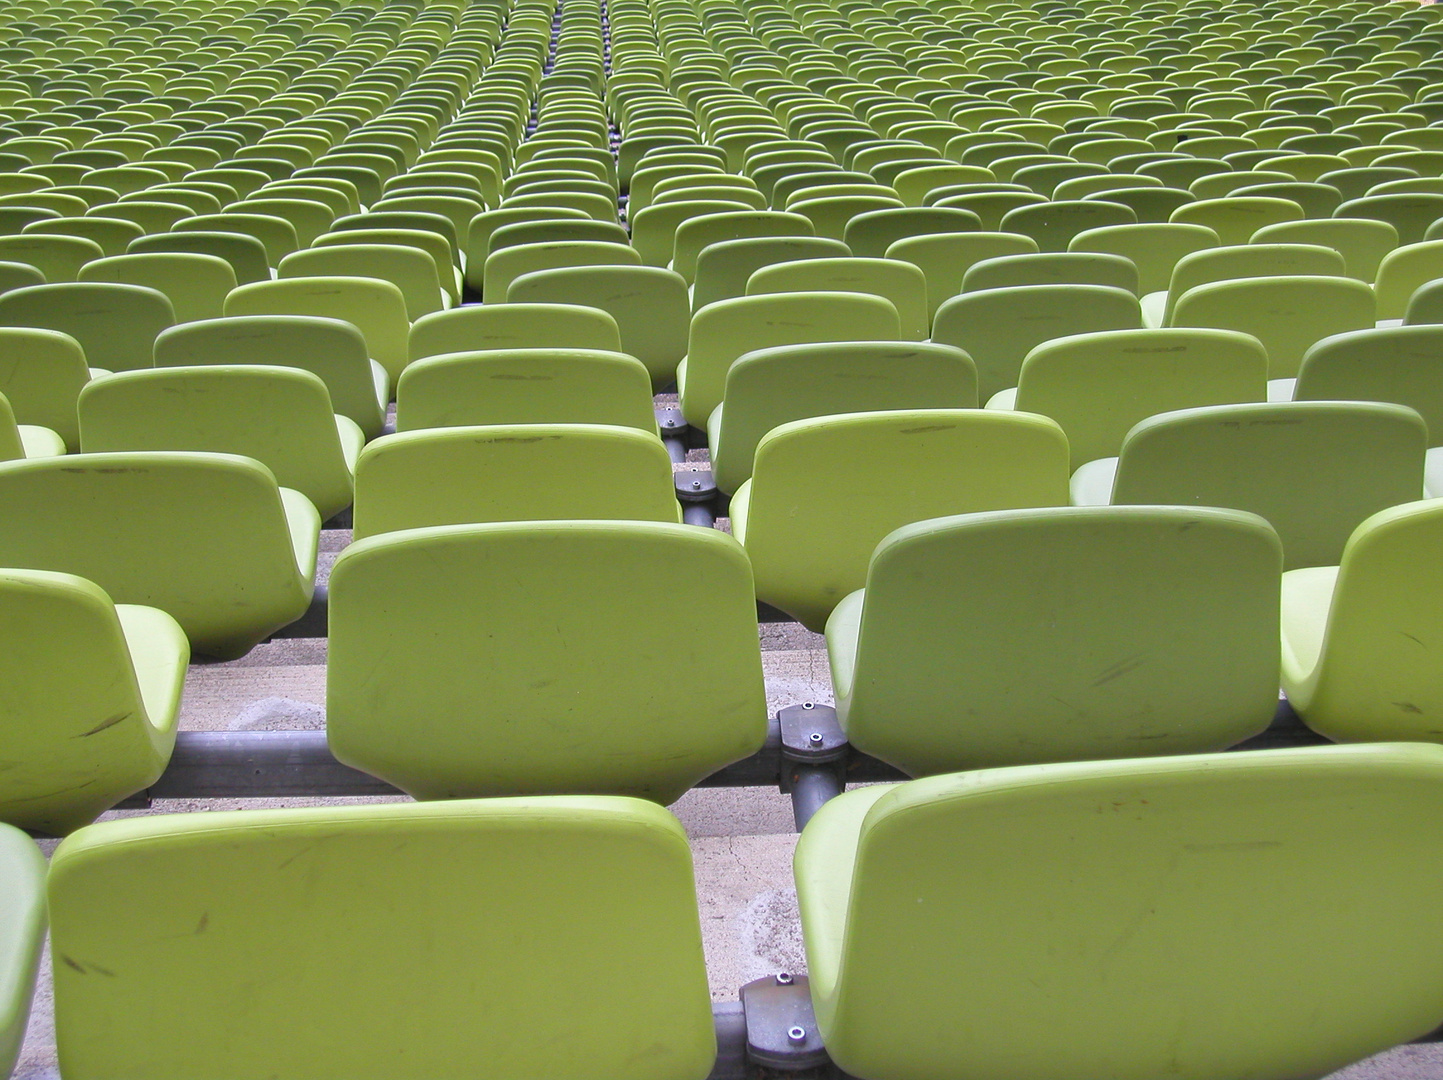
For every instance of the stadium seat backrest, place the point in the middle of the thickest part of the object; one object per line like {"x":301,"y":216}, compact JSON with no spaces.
{"x":1312,"y":469}
{"x":723,"y":331}
{"x":330,"y":348}
{"x":41,"y":374}
{"x":512,"y":472}
{"x":549,"y":677}
{"x":1401,"y":273}
{"x":824,"y":491}
{"x":1097,"y":386}
{"x":649,"y":304}
{"x":1401,"y":364}
{"x":116,"y":325}
{"x":525,"y":386}
{"x":897,"y":280}
{"x":304,"y":915}
{"x":280,"y":416}
{"x":770,"y":387}
{"x":723,"y":268}
{"x":89,"y":716}
{"x":196,"y":285}
{"x":514,"y":326}
{"x":998,"y":327}
{"x":1060,"y":634}
{"x":1066,"y":917}
{"x":128,"y":522}
{"x":374,"y":307}
{"x":1343,"y":668}
{"x":22,"y":935}
{"x":1286,"y":313}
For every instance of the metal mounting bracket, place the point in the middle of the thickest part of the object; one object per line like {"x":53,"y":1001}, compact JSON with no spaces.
{"x":695,"y":486}
{"x":781,"y":1027}
{"x":812,"y":734}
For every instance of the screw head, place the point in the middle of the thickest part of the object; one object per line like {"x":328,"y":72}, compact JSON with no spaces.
{"x":784,"y":978}
{"x":808,"y":705}
{"x":815,"y":738}
{"x":796,"y":1034}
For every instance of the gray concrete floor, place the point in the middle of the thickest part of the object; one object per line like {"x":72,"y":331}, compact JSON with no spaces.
{"x":742,"y":838}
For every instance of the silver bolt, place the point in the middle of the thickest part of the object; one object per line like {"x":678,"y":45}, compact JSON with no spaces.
{"x":796,"y":1034}
{"x":696,"y":483}
{"x":808,"y":705}
{"x":784,"y":978}
{"x":816,"y":738}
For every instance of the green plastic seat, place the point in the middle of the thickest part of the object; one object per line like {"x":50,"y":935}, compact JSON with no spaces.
{"x":990,"y":206}
{"x":304,"y":912}
{"x":1401,"y":273}
{"x":1052,"y":268}
{"x":196,"y":285}
{"x":1425,"y":306}
{"x":723,"y":331}
{"x":280,"y":416}
{"x":770,"y":387}
{"x":824,"y":491}
{"x":329,"y":348}
{"x":1059,"y":920}
{"x":41,"y":375}
{"x":869,"y":235}
{"x":1401,"y":364}
{"x":1313,"y":469}
{"x":309,"y":218}
{"x":1149,"y":204}
{"x":17,"y":275}
{"x":525,"y":386}
{"x":1409,"y":214}
{"x":129,"y":522}
{"x":116,"y":325}
{"x":19,"y":441}
{"x":998,"y":327}
{"x":425,"y":633}
{"x":654,"y":228}
{"x":830,"y":214}
{"x":112,"y":234}
{"x":695,"y":234}
{"x":276,"y":234}
{"x":896,"y":280}
{"x":375,"y":307}
{"x":512,"y":472}
{"x":507,"y":264}
{"x":1097,"y":386}
{"x":152,"y":216}
{"x":1054,"y":224}
{"x":723,"y":268}
{"x":966,"y":650}
{"x":93,"y":693}
{"x":1287,"y":314}
{"x":513,"y":326}
{"x":22,"y":936}
{"x":1236,"y":218}
{"x":1317,"y":200}
{"x":1344,"y":671}
{"x":1079,"y":187}
{"x":551,"y":230}
{"x":649,"y":304}
{"x":246,"y":254}
{"x":1237,"y":261}
{"x":412,"y":270}
{"x":1154,"y":248}
{"x":59,"y":258}
{"x":1362,"y":242}
{"x":944,"y":258}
